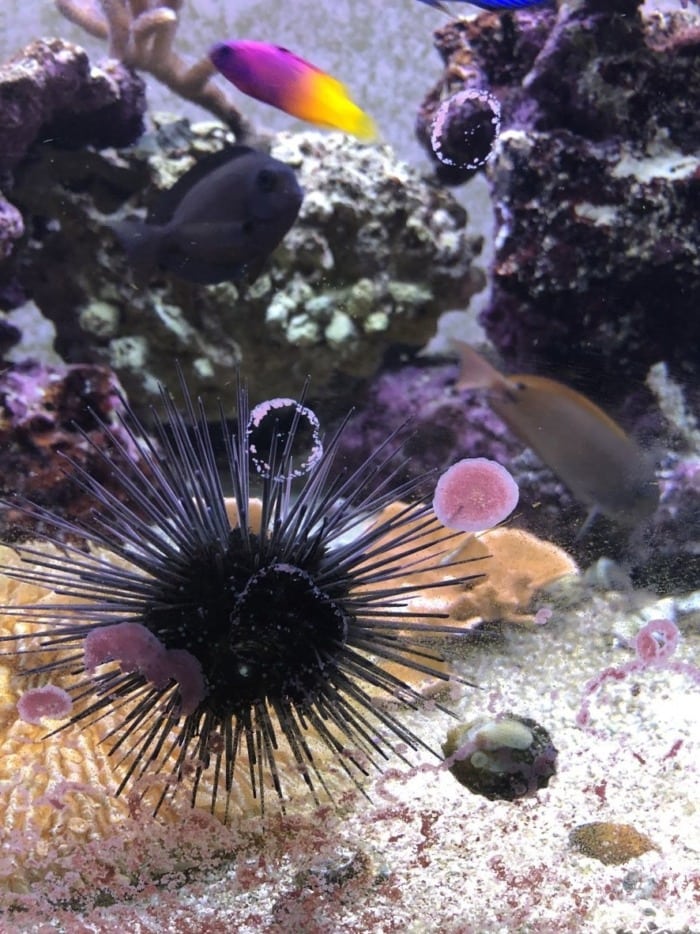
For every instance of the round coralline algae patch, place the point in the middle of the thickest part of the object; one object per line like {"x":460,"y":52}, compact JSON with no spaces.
{"x":474,"y":494}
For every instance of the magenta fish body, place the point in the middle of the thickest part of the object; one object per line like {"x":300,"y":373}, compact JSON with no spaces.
{"x":276,"y":76}
{"x":263,"y":71}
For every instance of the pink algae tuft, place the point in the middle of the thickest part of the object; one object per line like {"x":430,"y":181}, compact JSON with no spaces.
{"x":654,"y":645}
{"x":136,"y":648}
{"x":656,"y":642}
{"x":48,"y":701}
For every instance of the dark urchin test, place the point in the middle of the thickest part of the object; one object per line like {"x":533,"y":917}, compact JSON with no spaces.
{"x":217,"y":640}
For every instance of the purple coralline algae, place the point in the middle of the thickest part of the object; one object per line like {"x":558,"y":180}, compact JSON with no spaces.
{"x":595,"y":181}
{"x":51,"y":91}
{"x":670,"y":547}
{"x":11,"y":227}
{"x":50,"y":417}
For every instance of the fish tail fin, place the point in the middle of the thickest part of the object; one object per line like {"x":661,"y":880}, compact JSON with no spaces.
{"x":475,"y":372}
{"x":140,"y":242}
{"x":364,"y":127}
{"x":437,"y":5}
{"x":591,"y":516}
{"x":330,"y":105}
{"x":354,"y":120}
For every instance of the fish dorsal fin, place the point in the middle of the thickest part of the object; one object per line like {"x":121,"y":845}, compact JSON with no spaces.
{"x":299,"y":60}
{"x":166,"y":204}
{"x":475,"y":371}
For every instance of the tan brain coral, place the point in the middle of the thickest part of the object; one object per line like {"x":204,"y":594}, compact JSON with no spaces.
{"x":55,"y":792}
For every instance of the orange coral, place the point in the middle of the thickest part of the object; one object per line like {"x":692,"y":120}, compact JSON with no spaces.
{"x":56,"y":791}
{"x":512,"y":566}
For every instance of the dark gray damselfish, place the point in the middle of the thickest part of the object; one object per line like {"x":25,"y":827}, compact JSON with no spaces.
{"x":219,"y":222}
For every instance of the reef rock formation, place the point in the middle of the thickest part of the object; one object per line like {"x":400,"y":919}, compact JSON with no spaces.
{"x":374,"y":258}
{"x":595,"y":179}
{"x":50,"y":418}
{"x":51,"y":92}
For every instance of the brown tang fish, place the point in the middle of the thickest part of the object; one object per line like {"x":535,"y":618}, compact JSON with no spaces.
{"x":220,"y":221}
{"x":589,"y":452}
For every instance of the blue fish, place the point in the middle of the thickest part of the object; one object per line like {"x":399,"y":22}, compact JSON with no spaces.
{"x":494,"y":5}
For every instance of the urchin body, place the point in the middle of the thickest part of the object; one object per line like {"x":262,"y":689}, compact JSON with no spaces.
{"x":217,"y":641}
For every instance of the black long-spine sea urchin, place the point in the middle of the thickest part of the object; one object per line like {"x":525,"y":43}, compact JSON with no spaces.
{"x":215,"y":640}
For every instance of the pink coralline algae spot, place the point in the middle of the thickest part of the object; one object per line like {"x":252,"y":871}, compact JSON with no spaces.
{"x":474,"y":494}
{"x":130,"y":644}
{"x":654,"y":646}
{"x":543,"y":616}
{"x":183,"y":667}
{"x":48,"y":701}
{"x":656,"y":642}
{"x":137,"y":649}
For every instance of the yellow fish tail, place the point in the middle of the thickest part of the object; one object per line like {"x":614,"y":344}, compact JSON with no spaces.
{"x":326,"y":102}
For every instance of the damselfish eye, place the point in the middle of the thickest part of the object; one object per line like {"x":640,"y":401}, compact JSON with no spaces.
{"x":267,"y":181}
{"x":248,"y":228}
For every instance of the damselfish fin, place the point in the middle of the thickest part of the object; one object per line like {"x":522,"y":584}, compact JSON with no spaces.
{"x":167,"y":202}
{"x":437,"y":5}
{"x":141,"y":243}
{"x":252,"y":269}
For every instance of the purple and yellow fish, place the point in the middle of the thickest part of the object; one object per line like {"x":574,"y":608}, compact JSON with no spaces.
{"x":495,"y":6}
{"x":276,"y":76}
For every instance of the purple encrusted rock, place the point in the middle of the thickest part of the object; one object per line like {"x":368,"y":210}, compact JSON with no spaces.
{"x":51,"y":90}
{"x":666,"y":554}
{"x":595,"y":181}
{"x":11,"y":227}
{"x":51,"y":416}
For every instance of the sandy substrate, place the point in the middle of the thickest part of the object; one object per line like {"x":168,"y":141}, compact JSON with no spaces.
{"x":426,"y":855}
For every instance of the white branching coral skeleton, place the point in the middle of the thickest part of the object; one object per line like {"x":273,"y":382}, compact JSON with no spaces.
{"x":141,"y":34}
